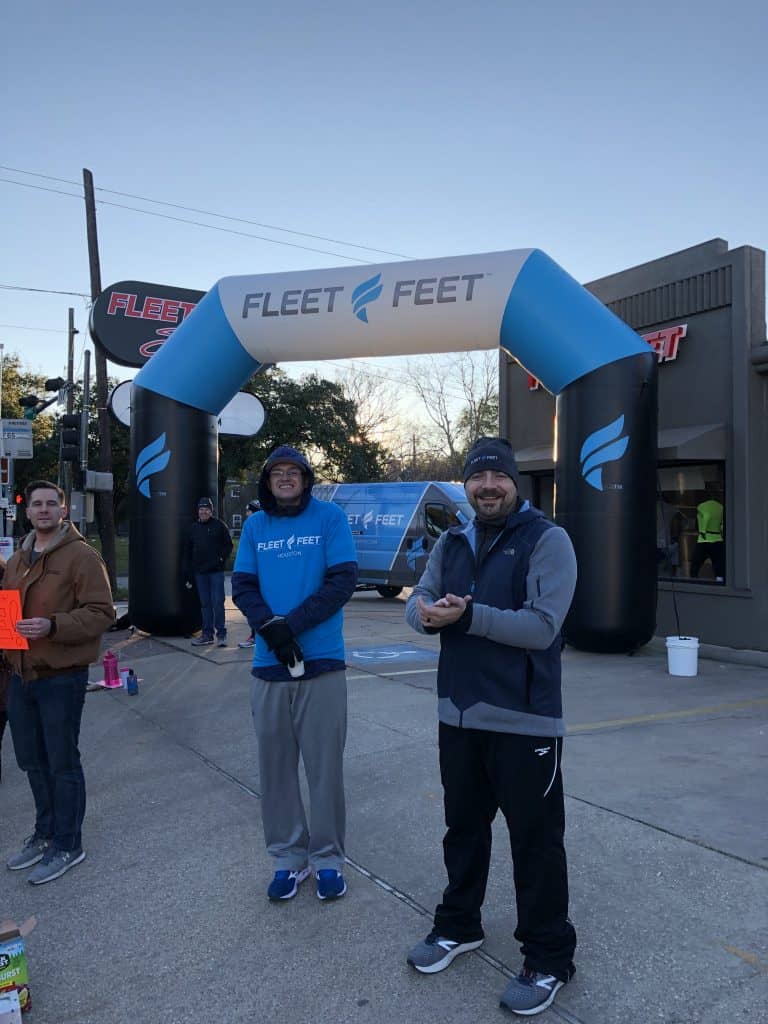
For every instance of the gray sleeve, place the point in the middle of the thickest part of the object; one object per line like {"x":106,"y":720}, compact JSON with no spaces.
{"x":428,"y":586}
{"x":549,"y":588}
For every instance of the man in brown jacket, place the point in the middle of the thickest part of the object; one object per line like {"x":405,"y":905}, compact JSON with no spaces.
{"x":66,"y":604}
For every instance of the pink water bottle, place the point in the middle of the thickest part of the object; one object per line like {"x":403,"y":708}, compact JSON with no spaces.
{"x":111,"y":672}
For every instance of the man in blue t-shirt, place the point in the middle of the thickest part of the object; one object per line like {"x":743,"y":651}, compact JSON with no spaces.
{"x":295,"y":570}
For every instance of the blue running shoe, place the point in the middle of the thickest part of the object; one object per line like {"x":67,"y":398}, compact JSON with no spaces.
{"x":330,"y":884}
{"x":285,"y":884}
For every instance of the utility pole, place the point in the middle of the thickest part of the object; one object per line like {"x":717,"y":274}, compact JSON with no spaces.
{"x":105,"y":506}
{"x":84,"y":440}
{"x":65,"y":469}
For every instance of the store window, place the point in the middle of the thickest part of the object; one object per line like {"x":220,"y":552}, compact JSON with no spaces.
{"x":690,"y":522}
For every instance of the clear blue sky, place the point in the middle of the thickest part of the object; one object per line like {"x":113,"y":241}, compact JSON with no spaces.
{"x":605,"y":134}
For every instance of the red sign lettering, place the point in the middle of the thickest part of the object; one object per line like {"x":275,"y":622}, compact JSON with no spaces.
{"x":665,"y":343}
{"x":169,"y":310}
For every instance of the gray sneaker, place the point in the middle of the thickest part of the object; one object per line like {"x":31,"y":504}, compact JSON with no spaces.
{"x":436,"y":953}
{"x":54,"y":864}
{"x":530,"y":992}
{"x":31,"y":852}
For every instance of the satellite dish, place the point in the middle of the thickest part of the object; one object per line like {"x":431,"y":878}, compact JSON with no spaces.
{"x":119,"y":403}
{"x":244,"y":416}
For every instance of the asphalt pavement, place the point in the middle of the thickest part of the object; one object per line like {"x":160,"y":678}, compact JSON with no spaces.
{"x":167,"y":919}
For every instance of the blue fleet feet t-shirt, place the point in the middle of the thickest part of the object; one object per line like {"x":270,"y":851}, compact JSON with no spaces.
{"x":290,"y":555}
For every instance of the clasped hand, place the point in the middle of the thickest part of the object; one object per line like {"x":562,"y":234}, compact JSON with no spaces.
{"x":443,"y":612}
{"x":278,"y":636}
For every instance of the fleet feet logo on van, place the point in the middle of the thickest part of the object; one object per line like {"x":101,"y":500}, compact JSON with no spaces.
{"x":151,"y":460}
{"x":605,"y":445}
{"x":363,"y":295}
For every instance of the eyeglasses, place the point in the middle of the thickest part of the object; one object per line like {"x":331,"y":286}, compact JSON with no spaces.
{"x":284,"y":474}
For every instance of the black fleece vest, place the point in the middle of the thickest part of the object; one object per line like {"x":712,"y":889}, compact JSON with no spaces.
{"x":473,"y":669}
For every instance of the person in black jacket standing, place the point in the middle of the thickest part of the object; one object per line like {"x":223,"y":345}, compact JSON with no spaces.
{"x":207,"y":550}
{"x":496,"y":590}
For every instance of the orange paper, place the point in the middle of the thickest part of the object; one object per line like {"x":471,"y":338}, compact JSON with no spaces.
{"x":10,"y":613}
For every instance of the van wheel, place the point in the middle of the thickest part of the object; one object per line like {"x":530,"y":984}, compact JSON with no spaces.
{"x":389,"y":591}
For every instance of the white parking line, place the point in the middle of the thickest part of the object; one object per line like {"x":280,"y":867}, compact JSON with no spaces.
{"x":402,"y":672}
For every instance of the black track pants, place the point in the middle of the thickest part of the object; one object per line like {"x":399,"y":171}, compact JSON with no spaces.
{"x":483,"y":772}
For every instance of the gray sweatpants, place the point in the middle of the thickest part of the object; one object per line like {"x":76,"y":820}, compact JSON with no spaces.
{"x":307,"y":717}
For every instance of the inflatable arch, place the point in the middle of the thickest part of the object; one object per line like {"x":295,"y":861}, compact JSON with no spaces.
{"x":604,"y":376}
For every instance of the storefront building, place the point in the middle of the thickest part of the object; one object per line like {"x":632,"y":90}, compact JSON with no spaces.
{"x":703,"y":311}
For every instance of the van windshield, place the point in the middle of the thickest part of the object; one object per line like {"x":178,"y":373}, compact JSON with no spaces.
{"x":440,"y":518}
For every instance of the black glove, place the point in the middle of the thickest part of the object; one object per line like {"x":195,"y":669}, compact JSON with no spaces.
{"x":278,"y":636}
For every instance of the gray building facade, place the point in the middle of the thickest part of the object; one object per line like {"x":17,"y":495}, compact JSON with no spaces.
{"x":703,"y":311}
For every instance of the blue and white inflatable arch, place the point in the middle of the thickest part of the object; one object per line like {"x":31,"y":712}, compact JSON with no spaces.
{"x":602,"y":372}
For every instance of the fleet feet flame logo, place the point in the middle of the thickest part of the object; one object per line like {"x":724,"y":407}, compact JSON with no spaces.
{"x":151,"y":460}
{"x":605,"y":445}
{"x":364,"y":294}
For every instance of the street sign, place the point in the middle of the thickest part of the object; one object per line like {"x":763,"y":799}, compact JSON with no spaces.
{"x":17,"y":439}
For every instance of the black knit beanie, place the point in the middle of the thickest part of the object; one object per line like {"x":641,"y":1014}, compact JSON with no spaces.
{"x":494,"y":453}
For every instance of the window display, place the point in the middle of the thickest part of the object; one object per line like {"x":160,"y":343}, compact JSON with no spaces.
{"x":690,"y":522}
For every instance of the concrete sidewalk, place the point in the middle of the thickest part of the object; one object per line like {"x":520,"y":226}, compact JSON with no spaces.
{"x":167,"y":919}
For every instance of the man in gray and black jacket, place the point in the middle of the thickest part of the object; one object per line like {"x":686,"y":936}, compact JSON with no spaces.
{"x":497,"y":590}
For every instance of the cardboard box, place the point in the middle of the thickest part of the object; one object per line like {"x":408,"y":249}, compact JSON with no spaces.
{"x":10,"y":1008}
{"x":13,"y":963}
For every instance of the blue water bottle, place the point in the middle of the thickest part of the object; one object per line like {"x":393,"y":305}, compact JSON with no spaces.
{"x":132,"y":685}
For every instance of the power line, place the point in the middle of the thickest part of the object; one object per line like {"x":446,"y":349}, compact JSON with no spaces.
{"x":46,"y":330}
{"x":210,"y":213}
{"x":379,"y":374}
{"x":195,"y":223}
{"x":48,"y":291}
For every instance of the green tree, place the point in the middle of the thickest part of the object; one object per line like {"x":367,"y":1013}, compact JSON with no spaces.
{"x":311,"y":414}
{"x":18,"y":382}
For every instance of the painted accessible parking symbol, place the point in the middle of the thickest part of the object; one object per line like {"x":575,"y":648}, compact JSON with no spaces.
{"x":389,"y":653}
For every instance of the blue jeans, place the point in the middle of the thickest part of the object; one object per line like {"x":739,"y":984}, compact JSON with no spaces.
{"x":210,"y":588}
{"x":44,"y":716}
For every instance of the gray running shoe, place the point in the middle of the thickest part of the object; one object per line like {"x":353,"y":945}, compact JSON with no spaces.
{"x":203,"y":641}
{"x":54,"y":864}
{"x":31,"y":852}
{"x":530,"y":992}
{"x":436,"y":953}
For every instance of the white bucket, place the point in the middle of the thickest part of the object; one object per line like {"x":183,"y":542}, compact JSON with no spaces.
{"x":682,"y":655}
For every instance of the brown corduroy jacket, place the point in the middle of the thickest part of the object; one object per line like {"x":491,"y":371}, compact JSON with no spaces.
{"x":68,"y":584}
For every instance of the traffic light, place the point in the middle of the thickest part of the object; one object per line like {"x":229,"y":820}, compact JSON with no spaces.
{"x":29,"y":404}
{"x":19,"y":499}
{"x":5,"y":470}
{"x":71,"y":434}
